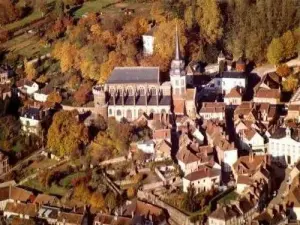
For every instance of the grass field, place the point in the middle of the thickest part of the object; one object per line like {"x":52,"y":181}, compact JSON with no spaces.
{"x":227,"y":198}
{"x":27,"y":20}
{"x":26,"y":45}
{"x":54,"y":189}
{"x":93,"y":6}
{"x":66,"y":182}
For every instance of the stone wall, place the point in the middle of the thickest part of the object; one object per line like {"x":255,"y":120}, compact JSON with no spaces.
{"x":177,"y":216}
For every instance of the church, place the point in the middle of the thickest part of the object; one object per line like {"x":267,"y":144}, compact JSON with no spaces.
{"x":131,"y":92}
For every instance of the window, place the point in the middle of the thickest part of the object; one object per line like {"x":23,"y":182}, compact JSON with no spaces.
{"x":110,"y":111}
{"x":182,"y":82}
{"x":176,"y":82}
{"x":153,"y":91}
{"x":119,"y":113}
{"x":142,"y":91}
{"x":129,"y":91}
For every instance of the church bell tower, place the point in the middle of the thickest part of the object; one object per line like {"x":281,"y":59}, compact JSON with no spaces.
{"x":177,"y":72}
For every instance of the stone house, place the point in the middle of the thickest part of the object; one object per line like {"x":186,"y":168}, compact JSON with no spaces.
{"x":245,"y":111}
{"x":69,"y":218}
{"x":42,"y":94}
{"x":249,"y":169}
{"x":271,"y":96}
{"x":205,"y":178}
{"x":284,"y":145}
{"x":4,"y":163}
{"x":105,"y":219}
{"x":32,"y":118}
{"x":190,"y":157}
{"x":27,"y":87}
{"x":5,"y":74}
{"x":212,"y":110}
{"x":22,"y":210}
{"x":5,"y":91}
{"x":163,"y":150}
{"x":11,"y":194}
{"x":234,"y":97}
{"x":293,"y":113}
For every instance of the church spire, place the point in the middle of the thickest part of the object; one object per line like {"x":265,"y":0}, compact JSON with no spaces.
{"x":177,"y":50}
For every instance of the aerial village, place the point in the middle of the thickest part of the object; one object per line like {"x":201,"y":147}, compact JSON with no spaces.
{"x":214,"y":144}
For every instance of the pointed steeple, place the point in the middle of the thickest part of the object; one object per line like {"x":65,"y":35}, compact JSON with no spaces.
{"x":177,"y":50}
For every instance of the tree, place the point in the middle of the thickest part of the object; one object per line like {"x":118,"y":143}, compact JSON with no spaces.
{"x":275,"y":51}
{"x":189,"y":202}
{"x":66,"y":134}
{"x":165,"y":38}
{"x":290,"y":84}
{"x":81,"y":96}
{"x":31,"y":72}
{"x":9,"y":13}
{"x":97,"y":200}
{"x":289,"y":44}
{"x":42,"y":6}
{"x":131,"y":192}
{"x":67,"y":54}
{"x":209,"y":19}
{"x":4,"y":35}
{"x":59,"y":8}
{"x":54,"y":98}
{"x":283,"y":70}
{"x":111,"y":201}
{"x":82,"y":192}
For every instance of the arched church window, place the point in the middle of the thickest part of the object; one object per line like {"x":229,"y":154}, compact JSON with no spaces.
{"x":153,"y":91}
{"x":142,"y":91}
{"x":130,"y":91}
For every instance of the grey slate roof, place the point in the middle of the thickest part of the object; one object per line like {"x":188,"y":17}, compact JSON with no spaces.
{"x":121,"y":75}
{"x":232,"y":74}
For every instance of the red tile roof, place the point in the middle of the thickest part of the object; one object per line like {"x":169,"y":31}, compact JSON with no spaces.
{"x":179,"y":106}
{"x":267,"y":93}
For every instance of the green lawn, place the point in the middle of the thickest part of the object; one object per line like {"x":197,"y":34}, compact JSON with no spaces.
{"x":26,"y":45}
{"x":93,"y":6}
{"x":54,"y":189}
{"x":66,"y":181}
{"x":20,"y":23}
{"x":227,"y":198}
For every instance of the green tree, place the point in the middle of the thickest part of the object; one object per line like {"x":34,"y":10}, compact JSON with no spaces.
{"x":59,"y":8}
{"x":66,"y":134}
{"x":289,"y":44}
{"x":209,"y":18}
{"x":190,"y":201}
{"x":111,"y":201}
{"x":275,"y":52}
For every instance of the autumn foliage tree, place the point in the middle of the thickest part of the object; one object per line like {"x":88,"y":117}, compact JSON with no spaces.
{"x":66,"y":134}
{"x":9,"y":12}
{"x":165,"y":38}
{"x":54,"y":98}
{"x":81,"y":96}
{"x":97,"y":200}
{"x":30,"y":70}
{"x":283,"y":70}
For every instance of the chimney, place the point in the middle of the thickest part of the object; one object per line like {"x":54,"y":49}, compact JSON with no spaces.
{"x":132,"y":214}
